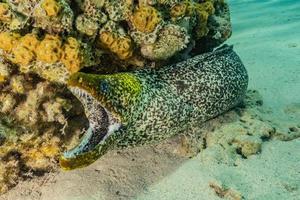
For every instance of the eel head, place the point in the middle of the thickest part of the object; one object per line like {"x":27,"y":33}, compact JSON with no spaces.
{"x":105,"y":99}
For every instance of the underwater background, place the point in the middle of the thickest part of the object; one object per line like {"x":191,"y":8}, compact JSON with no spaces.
{"x":266,"y":35}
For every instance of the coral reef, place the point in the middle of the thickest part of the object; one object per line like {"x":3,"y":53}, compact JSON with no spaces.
{"x":37,"y":120}
{"x":50,"y":57}
{"x":39,"y":35}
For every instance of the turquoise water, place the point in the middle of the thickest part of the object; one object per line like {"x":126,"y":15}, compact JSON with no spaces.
{"x":266,"y":34}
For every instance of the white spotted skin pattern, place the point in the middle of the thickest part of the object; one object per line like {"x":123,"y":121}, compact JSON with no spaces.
{"x":182,"y":96}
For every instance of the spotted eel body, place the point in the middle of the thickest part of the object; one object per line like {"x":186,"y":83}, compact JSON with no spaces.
{"x":128,"y":109}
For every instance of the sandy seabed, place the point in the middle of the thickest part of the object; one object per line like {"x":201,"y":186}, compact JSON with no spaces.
{"x":251,"y":152}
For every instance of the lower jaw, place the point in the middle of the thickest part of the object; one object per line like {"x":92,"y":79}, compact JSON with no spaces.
{"x":79,"y":161}
{"x":93,"y":144}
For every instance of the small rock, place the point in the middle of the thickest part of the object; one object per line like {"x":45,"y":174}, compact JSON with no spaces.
{"x":248,"y":145}
{"x":224,"y":192}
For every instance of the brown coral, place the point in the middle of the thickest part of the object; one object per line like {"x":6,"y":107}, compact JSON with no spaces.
{"x":145,"y":19}
{"x":178,"y":10}
{"x":203,"y":10}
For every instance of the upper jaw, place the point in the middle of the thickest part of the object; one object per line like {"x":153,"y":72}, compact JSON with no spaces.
{"x":102,"y":124}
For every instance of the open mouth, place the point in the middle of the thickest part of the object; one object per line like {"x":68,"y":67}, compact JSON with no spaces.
{"x":102,"y":124}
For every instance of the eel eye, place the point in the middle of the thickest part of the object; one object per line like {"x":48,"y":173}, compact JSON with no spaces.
{"x":104,"y":86}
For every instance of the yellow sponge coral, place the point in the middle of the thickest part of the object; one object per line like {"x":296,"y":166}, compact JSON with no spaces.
{"x":121,"y":46}
{"x":49,"y":50}
{"x":23,"y":52}
{"x":22,"y":55}
{"x":30,"y":41}
{"x":145,"y":19}
{"x":51,"y":7}
{"x":107,"y":38}
{"x":8,"y":40}
{"x":71,"y":55}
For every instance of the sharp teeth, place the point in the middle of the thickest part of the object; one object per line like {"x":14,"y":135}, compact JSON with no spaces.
{"x":78,"y":92}
{"x":74,"y":90}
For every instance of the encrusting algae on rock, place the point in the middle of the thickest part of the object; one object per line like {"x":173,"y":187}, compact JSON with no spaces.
{"x":44,"y":42}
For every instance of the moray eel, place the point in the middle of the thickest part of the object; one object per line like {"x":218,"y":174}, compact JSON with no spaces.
{"x":133,"y":108}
